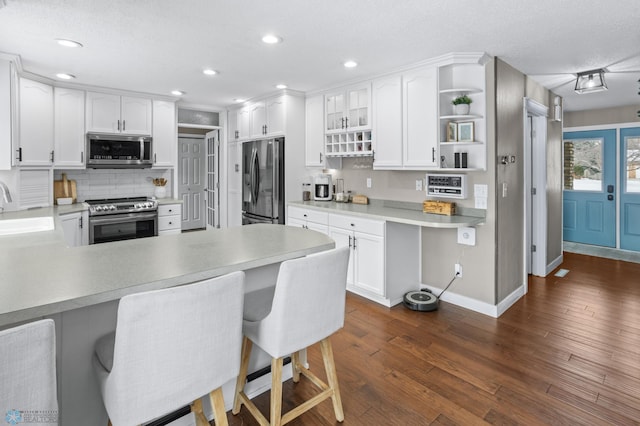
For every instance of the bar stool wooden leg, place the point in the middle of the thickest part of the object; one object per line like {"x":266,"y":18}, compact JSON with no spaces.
{"x":217,"y":402}
{"x":295,"y":366}
{"x":196,"y":408}
{"x":276,"y":392}
{"x":242,"y":375}
{"x":332,"y":377}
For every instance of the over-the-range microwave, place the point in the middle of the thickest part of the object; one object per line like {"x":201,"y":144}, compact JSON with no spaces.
{"x":105,"y":151}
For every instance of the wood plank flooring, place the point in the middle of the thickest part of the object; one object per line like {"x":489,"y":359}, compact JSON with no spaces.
{"x":568,"y":353}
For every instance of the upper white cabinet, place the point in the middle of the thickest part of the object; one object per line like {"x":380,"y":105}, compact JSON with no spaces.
{"x":419,"y":118}
{"x":69,"y":139}
{"x":6,"y":154}
{"x":108,"y":113}
{"x":387,"y":122}
{"x":165,"y":138}
{"x":348,"y":122}
{"x":35,"y":124}
{"x":259,"y":119}
{"x":314,"y":131}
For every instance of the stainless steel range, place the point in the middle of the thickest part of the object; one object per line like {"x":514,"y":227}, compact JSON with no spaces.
{"x":119,"y":219}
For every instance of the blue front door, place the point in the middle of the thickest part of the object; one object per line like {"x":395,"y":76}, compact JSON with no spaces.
{"x":630,"y":190}
{"x":589,"y":206}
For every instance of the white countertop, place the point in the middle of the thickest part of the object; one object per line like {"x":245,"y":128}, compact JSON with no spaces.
{"x":40,"y":276}
{"x":380,"y":210}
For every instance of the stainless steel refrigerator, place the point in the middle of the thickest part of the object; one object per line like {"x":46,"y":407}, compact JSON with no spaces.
{"x":263,"y":181}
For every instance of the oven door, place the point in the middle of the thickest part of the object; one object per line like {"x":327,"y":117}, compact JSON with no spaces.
{"x":118,"y":227}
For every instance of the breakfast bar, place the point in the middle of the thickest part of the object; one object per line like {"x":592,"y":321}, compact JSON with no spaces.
{"x":80,"y":287}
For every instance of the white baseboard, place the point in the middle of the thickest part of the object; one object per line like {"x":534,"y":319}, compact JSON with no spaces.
{"x":476,"y":305}
{"x":554,"y":264}
{"x":508,"y":301}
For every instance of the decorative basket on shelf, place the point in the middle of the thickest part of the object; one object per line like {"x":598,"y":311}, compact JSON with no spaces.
{"x":160,"y":190}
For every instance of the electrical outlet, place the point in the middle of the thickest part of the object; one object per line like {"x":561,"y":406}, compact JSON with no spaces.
{"x":368,"y":182}
{"x":418,"y":184}
{"x":458,"y":270}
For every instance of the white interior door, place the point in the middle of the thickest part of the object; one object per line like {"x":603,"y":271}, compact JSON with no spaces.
{"x":213,"y":179}
{"x":191,"y":184}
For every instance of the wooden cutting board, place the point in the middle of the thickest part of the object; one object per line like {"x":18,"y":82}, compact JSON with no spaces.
{"x":64,"y":188}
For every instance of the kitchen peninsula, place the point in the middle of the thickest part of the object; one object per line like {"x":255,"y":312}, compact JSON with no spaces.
{"x":80,"y":287}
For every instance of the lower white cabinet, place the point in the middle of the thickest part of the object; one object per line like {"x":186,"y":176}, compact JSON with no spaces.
{"x":169,"y":219}
{"x":308,"y":219}
{"x":365,"y":237}
{"x":75,"y":228}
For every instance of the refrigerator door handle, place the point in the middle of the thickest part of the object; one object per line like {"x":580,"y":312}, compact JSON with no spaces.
{"x":256,"y":177}
{"x":251,"y":164}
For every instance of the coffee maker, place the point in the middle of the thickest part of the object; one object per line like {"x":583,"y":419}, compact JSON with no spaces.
{"x":322,"y":188}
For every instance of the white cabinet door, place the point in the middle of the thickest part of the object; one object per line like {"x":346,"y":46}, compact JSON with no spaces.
{"x":36,"y":123}
{"x":335,"y":110}
{"x":136,"y":116}
{"x":369,"y":262}
{"x":387,"y":122}
{"x":234,"y":185}
{"x":71,"y":228}
{"x":244,"y":123}
{"x":343,"y":238}
{"x":314,"y":132}
{"x":276,"y":111}
{"x":420,"y":118}
{"x":6,"y":151}
{"x":318,"y":227}
{"x":103,"y":113}
{"x":69,"y":139}
{"x":296,"y":222}
{"x":232,"y":125}
{"x":359,"y":110}
{"x":258,"y":120}
{"x":165,"y":142}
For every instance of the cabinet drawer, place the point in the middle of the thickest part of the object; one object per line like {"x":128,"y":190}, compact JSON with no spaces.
{"x":309,"y":215}
{"x":169,"y":222}
{"x":169,"y":209}
{"x":359,"y":224}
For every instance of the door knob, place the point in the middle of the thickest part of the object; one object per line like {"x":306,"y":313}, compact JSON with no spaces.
{"x":610,"y":197}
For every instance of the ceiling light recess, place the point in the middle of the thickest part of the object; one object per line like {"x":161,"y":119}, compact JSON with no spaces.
{"x":177,"y":92}
{"x":209,"y":71}
{"x":590,"y":81}
{"x":271,"y":39}
{"x":281,"y":86}
{"x":350,"y":64}
{"x":65,"y":76}
{"x":68,"y":43}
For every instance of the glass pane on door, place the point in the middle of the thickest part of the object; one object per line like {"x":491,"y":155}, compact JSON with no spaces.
{"x":583,"y":164}
{"x":632,"y":174}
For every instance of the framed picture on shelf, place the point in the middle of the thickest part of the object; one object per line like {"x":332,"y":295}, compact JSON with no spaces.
{"x":465,"y":131}
{"x":452,"y":131}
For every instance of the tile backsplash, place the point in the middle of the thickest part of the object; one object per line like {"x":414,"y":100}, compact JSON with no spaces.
{"x":116,"y":183}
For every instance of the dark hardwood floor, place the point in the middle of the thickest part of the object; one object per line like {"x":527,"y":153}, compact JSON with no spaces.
{"x":567,"y":353}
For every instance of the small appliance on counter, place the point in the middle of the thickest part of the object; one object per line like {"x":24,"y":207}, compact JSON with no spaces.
{"x":322,"y":188}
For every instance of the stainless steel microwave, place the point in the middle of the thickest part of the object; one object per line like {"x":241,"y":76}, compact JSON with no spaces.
{"x":106,"y":151}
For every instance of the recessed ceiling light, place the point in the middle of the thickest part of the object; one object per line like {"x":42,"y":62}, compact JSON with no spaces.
{"x":68,"y":43}
{"x":271,"y":39}
{"x":238,"y":100}
{"x":65,"y":76}
{"x":177,"y":92}
{"x":350,"y":64}
{"x":209,"y":71}
{"x":281,"y":86}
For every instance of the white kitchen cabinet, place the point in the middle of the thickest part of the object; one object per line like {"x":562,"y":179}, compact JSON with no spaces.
{"x":35,"y":124}
{"x":69,"y":138}
{"x":266,"y":118}
{"x":349,"y":109}
{"x":366,"y":238}
{"x":314,"y":131}
{"x":232,"y":125}
{"x":107,"y":113}
{"x":6,"y":150}
{"x":308,"y":219}
{"x":244,"y":123}
{"x":387,"y":122}
{"x":234,"y":193}
{"x":169,"y":219}
{"x":165,"y":137}
{"x":75,"y":228}
{"x":419,"y":118}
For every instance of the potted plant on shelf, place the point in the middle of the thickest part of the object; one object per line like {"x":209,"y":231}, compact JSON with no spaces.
{"x":461,"y":105}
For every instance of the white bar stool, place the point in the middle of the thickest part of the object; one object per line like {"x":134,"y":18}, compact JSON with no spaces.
{"x":307,"y":307}
{"x":170,"y":348}
{"x":28,"y":373}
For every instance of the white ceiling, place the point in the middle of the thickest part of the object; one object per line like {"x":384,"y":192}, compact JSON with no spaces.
{"x":155,"y":46}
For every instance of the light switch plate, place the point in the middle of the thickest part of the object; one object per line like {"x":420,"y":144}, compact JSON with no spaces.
{"x":467,"y":236}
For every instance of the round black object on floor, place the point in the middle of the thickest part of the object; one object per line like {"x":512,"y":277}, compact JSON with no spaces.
{"x":422,"y":300}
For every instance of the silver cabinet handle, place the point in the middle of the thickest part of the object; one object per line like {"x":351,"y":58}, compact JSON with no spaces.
{"x":349,"y":240}
{"x":82,"y":156}
{"x":118,"y":125}
{"x":123,"y":125}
